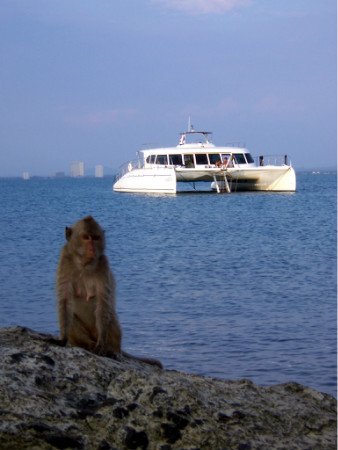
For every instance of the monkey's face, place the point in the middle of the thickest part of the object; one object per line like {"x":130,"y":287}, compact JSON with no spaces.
{"x":86,"y":239}
{"x":91,"y":245}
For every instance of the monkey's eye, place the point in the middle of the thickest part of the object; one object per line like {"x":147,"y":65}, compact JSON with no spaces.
{"x":85,"y":237}
{"x":96,"y":237}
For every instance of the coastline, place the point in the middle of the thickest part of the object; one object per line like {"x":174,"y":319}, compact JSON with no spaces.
{"x":56,"y":397}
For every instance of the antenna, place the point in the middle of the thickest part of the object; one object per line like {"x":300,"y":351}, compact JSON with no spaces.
{"x":190,"y":127}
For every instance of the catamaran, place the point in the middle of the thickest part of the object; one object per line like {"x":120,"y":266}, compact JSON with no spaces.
{"x":227,"y":169}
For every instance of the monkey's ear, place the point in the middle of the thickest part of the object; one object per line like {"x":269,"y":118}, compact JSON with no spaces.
{"x":68,"y":233}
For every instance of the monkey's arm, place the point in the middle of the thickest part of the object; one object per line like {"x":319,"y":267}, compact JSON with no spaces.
{"x":63,"y":318}
{"x":107,"y":323}
{"x":108,"y":329}
{"x":64,"y":292}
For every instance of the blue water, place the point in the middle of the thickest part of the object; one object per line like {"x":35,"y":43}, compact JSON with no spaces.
{"x":230,"y":286}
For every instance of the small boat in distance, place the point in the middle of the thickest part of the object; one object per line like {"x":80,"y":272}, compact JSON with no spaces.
{"x":229,"y":169}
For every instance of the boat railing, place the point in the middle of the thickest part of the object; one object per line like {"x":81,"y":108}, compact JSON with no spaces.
{"x":272,"y":160}
{"x":128,"y":167}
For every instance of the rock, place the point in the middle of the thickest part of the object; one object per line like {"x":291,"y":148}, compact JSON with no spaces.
{"x":54,"y":397}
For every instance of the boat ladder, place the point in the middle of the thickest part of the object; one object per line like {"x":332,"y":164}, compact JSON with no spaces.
{"x":223,"y":186}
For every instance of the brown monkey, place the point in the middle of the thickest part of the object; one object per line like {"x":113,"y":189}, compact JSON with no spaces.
{"x":86,"y":293}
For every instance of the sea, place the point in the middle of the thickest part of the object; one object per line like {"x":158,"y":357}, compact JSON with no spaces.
{"x":230,"y":286}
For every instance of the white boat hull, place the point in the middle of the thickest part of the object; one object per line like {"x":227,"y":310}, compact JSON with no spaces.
{"x":148,"y":180}
{"x":267,"y":178}
{"x":164,"y":179}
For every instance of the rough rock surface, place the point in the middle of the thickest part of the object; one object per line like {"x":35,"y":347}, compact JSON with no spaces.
{"x":53,"y":397}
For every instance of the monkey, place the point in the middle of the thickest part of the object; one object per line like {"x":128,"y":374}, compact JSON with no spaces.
{"x":86,"y":293}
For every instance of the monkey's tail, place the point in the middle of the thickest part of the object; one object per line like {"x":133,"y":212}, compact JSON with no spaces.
{"x":151,"y":361}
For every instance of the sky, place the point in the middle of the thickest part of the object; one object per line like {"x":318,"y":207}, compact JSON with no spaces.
{"x":96,"y":80}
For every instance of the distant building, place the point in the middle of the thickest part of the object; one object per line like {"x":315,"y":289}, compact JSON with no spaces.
{"x":99,"y":171}
{"x":25,"y":176}
{"x":60,"y":175}
{"x":77,"y":169}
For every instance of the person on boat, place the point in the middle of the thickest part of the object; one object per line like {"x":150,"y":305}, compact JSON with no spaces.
{"x":227,"y":162}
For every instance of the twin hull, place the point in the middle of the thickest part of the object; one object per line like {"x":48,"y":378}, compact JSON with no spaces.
{"x":164,"y":179}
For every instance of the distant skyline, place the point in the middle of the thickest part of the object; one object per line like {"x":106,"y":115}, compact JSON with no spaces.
{"x":93,"y":81}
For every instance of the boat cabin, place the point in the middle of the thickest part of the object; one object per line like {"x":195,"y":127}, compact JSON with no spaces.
{"x":200,"y":153}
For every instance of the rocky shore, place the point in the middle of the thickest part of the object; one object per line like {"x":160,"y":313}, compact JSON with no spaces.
{"x":53,"y":397}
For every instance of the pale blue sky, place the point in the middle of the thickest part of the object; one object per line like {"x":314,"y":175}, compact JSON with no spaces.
{"x":94,"y":80}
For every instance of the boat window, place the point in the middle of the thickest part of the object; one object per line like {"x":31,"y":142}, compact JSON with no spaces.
{"x":189,"y":161}
{"x":162,"y":159}
{"x":213,"y":158}
{"x":227,"y":160}
{"x":249,"y":158}
{"x":225,"y":157}
{"x":201,"y":159}
{"x":175,"y":160}
{"x":239,"y":158}
{"x":151,"y":159}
